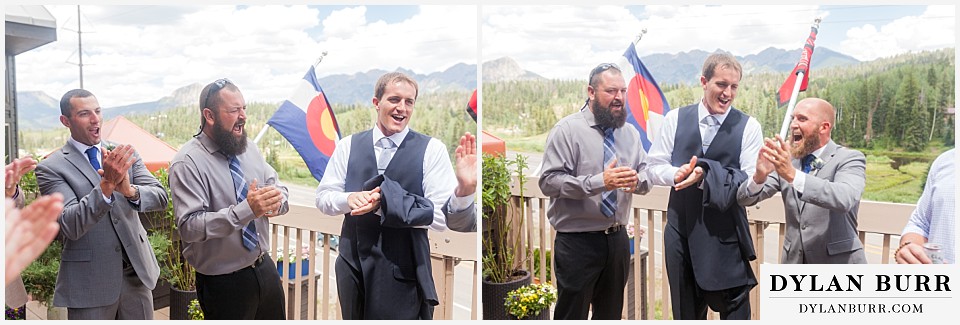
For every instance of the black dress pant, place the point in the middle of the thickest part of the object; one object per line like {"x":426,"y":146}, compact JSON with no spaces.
{"x":592,"y":270}
{"x":253,"y":292}
{"x":688,"y":300}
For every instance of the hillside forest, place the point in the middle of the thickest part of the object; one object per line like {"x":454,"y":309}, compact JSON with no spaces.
{"x":440,"y":115}
{"x":895,"y":110}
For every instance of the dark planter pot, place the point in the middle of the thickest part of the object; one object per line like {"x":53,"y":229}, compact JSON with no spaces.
{"x":161,"y":295}
{"x":180,"y":302}
{"x":544,"y":315}
{"x":494,"y":295}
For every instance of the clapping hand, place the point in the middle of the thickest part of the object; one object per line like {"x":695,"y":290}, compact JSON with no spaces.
{"x":688,"y":174}
{"x":14,"y":171}
{"x":364,"y":202}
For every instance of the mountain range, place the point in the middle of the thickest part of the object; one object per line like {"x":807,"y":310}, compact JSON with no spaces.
{"x":684,"y":67}
{"x":38,"y":110}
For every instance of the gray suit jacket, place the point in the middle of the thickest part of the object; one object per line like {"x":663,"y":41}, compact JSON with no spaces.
{"x":822,"y":222}
{"x":462,"y":221}
{"x":93,"y":231}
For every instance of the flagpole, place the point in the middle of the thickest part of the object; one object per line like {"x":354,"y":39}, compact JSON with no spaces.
{"x":266,"y":126}
{"x":788,"y":117}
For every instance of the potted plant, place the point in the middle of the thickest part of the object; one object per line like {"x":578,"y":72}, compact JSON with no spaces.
{"x":173,"y":267}
{"x":289,"y":263}
{"x":194,"y":310}
{"x":503,"y":256}
{"x":531,"y":301}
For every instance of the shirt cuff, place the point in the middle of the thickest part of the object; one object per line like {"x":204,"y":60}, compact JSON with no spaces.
{"x":458,"y":204}
{"x":799,"y":181}
{"x":108,"y":199}
{"x":595,"y":184}
{"x":753,"y":188}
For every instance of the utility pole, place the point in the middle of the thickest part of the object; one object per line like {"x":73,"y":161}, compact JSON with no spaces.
{"x":80,"y":45}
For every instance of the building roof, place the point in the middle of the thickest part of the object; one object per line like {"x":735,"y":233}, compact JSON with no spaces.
{"x":155,"y":153}
{"x":28,"y":27}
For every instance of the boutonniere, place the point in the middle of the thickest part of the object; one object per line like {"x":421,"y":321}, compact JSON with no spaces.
{"x":109,"y":146}
{"x":817,"y":164}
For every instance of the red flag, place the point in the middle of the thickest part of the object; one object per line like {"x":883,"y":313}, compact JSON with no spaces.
{"x":472,"y":106}
{"x":783,"y":95}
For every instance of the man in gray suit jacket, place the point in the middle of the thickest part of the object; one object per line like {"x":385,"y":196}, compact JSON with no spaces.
{"x":460,"y":209}
{"x":107,"y":266}
{"x":821,"y":184}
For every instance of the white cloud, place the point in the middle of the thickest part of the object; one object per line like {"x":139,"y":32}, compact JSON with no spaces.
{"x":934,"y":29}
{"x":566,"y":42}
{"x":139,"y":54}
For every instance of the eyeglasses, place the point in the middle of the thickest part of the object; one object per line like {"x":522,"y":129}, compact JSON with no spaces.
{"x":601,"y":68}
{"x":593,"y":73}
{"x":216,"y":86}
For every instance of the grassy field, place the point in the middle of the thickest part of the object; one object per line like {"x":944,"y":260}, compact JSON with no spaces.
{"x":885,"y":183}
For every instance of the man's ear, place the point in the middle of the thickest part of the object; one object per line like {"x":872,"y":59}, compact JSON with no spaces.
{"x":65,"y":121}
{"x":208,"y":116}
{"x":591,"y":93}
{"x":376,"y":103}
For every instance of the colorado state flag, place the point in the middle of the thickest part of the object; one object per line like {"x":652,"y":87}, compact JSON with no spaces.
{"x":306,"y":120}
{"x":646,"y":106}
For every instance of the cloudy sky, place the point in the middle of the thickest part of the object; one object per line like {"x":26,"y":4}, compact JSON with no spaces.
{"x":141,"y":53}
{"x":566,"y":42}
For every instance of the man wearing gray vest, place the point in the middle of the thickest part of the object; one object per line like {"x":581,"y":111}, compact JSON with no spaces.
{"x":390,"y":183}
{"x":704,"y":151}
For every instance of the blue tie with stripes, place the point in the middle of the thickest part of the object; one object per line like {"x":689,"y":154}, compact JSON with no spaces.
{"x":608,"y":204}
{"x":249,"y":233}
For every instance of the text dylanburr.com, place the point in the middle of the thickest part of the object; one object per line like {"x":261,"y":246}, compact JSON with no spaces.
{"x":858,"y":292}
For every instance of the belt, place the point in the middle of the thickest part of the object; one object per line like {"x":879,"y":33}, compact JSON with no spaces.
{"x":255,"y":263}
{"x":612,"y":230}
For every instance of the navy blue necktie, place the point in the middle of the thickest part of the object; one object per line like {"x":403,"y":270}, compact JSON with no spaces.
{"x":808,"y":163}
{"x":92,"y":154}
{"x":608,"y":204}
{"x":249,"y":233}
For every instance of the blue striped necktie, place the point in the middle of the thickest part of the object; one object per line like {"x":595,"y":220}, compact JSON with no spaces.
{"x":249,"y":233}
{"x":608,"y":204}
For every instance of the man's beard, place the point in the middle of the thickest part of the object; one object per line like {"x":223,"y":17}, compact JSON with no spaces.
{"x":807,"y":145}
{"x":229,"y":144}
{"x":605,"y":116}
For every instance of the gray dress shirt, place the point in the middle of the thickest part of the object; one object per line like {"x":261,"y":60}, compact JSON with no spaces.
{"x":573,"y":173}
{"x":209,"y":217}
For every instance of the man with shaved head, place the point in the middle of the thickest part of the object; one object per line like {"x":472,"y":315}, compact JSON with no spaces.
{"x":821,"y":183}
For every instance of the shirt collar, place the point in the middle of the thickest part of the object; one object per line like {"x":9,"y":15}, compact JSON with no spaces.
{"x":819,"y":152}
{"x":208,"y":143}
{"x":82,"y":147}
{"x":397,"y":138}
{"x":702,"y":113}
